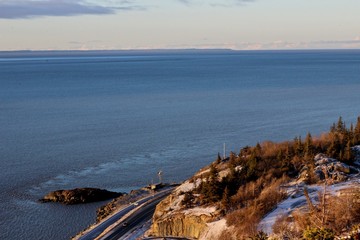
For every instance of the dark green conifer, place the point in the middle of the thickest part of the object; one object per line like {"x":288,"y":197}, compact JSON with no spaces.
{"x":288,"y":153}
{"x":225,"y":201}
{"x":340,"y":126}
{"x":348,"y":154}
{"x":213,"y":172}
{"x":258,"y":149}
{"x":357,"y":132}
{"x":333,"y":128}
{"x":218,"y":159}
{"x":351,"y":134}
{"x":298,"y":146}
{"x":309,"y":146}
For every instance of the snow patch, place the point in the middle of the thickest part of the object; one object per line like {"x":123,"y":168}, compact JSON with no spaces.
{"x":321,"y":159}
{"x":297,"y":199}
{"x":202,"y":172}
{"x":198,"y":211}
{"x":224,"y":173}
{"x":187,"y":186}
{"x":214,"y":230}
{"x":356,"y":149}
{"x":176,"y":204}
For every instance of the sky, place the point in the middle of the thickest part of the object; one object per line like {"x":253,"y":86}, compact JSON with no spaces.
{"x":179,"y":24}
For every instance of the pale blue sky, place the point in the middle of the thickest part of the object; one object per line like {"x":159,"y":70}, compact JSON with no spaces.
{"x":170,"y":24}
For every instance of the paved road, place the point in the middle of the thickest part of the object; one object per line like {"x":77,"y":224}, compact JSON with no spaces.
{"x":137,"y":218}
{"x":94,"y":233}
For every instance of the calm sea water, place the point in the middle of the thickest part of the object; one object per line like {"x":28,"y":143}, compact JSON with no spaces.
{"x":113,"y":121}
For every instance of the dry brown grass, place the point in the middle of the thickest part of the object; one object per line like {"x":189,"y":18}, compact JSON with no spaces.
{"x":253,"y":201}
{"x":341,"y":214}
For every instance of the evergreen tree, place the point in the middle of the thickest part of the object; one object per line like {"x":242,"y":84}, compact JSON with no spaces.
{"x":351,"y":134}
{"x":244,"y":151}
{"x":213,"y":173}
{"x":212,"y":189}
{"x":333,"y":128}
{"x":258,"y":149}
{"x":251,"y":166}
{"x":186,"y":202}
{"x":357,"y":132}
{"x":225,"y":201}
{"x":298,"y":146}
{"x":215,"y":191}
{"x":218,"y":159}
{"x":340,"y":126}
{"x":231,"y":177}
{"x":348,"y":155}
{"x":308,"y":145}
{"x":288,"y":153}
{"x":334,"y":148}
{"x":232,"y":158}
{"x":233,"y":162}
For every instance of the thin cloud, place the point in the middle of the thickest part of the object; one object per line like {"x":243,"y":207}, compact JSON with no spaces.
{"x":187,"y":2}
{"x":231,"y":3}
{"x":275,"y":45}
{"x":14,"y":9}
{"x":341,"y":44}
{"x":244,"y":1}
{"x":217,"y":3}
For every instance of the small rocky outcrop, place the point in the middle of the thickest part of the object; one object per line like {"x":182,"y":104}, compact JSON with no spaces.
{"x":334,"y":169}
{"x":326,"y":167}
{"x":79,"y":195}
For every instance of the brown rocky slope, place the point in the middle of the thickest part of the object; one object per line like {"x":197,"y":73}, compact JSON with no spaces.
{"x":235,"y":193}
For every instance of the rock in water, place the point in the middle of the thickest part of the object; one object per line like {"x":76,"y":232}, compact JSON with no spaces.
{"x":79,"y":195}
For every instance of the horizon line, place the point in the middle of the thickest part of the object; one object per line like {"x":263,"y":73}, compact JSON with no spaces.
{"x":170,"y":50}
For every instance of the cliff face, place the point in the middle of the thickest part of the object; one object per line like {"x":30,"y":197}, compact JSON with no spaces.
{"x":173,"y":219}
{"x":181,"y":225}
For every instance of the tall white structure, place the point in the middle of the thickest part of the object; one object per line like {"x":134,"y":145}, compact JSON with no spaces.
{"x":160,"y":173}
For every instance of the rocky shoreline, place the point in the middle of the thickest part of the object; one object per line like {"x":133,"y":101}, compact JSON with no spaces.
{"x":120,"y":201}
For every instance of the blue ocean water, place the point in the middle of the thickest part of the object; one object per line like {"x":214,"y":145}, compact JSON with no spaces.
{"x":114,"y":120}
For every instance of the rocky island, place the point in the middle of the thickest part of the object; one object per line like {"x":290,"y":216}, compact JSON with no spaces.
{"x":79,"y":195}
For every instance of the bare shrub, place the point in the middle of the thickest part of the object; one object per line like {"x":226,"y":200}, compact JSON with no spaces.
{"x":245,"y":221}
{"x":270,"y":196}
{"x":338,"y":213}
{"x":260,"y":236}
{"x":284,"y":228}
{"x":254,"y":200}
{"x":227,"y":235}
{"x":344,"y":210}
{"x":280,"y":225}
